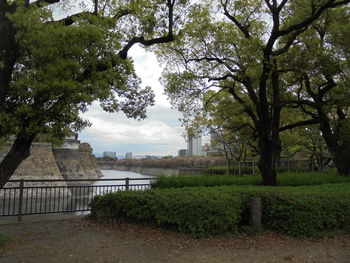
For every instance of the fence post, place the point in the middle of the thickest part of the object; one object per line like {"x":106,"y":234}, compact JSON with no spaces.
{"x":239,"y":168}
{"x":127,"y":183}
{"x":21,"y":185}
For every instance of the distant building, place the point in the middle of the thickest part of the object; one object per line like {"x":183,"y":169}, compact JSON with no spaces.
{"x":151,"y":157}
{"x":128,"y":155}
{"x":182,"y":152}
{"x":194,"y":146}
{"x":110,"y":154}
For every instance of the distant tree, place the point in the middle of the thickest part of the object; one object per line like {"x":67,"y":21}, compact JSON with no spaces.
{"x":52,"y":70}
{"x":240,"y":46}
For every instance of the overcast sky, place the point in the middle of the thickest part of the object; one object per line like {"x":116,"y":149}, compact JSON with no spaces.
{"x":159,"y":134}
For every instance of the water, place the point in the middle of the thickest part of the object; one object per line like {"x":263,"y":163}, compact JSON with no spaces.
{"x":114,"y":174}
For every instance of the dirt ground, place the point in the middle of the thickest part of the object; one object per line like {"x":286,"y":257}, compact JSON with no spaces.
{"x":81,"y":240}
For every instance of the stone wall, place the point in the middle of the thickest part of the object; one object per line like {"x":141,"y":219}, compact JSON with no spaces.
{"x":77,"y":164}
{"x":41,"y":164}
{"x":45,"y":163}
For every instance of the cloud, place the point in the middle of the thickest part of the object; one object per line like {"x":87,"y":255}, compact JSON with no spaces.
{"x":160,"y":134}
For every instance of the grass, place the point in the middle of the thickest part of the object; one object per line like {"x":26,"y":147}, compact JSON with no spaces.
{"x":5,"y":239}
{"x":284,"y":179}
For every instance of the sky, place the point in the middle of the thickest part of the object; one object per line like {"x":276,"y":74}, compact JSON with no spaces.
{"x":159,"y":134}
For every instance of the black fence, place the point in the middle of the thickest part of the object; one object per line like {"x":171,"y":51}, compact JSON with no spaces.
{"x":30,"y":197}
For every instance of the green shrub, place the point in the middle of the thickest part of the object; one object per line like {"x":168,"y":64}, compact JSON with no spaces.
{"x":197,"y":211}
{"x":297,"y":211}
{"x":204,"y":180}
{"x":233,"y":170}
{"x":285,"y":179}
{"x":305,"y":211}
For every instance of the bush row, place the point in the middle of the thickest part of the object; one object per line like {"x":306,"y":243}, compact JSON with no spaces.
{"x":200,"y":212}
{"x":285,"y":179}
{"x":203,"y":211}
{"x":234,"y":170}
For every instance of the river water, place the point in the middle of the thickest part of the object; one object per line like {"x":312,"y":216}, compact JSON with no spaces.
{"x":114,"y":174}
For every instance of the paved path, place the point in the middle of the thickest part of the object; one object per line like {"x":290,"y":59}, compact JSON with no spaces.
{"x":80,"y":240}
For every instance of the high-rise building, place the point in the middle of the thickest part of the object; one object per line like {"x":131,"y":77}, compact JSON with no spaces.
{"x":194,"y":146}
{"x":128,"y":155}
{"x":182,"y":152}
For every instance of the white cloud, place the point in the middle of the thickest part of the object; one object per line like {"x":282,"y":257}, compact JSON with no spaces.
{"x":160,"y":134}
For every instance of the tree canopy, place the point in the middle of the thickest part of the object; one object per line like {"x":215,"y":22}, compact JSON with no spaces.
{"x":52,"y":69}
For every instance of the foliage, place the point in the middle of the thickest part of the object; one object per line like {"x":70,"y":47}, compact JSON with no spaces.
{"x":244,"y":53}
{"x":233,"y":170}
{"x":296,"y":211}
{"x":200,"y":212}
{"x":284,"y":179}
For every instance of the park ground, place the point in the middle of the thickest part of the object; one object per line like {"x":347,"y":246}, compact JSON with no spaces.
{"x":82,"y":240}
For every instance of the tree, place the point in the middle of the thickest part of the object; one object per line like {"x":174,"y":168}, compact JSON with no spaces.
{"x":323,"y":83}
{"x":51,"y":70}
{"x":239,"y":46}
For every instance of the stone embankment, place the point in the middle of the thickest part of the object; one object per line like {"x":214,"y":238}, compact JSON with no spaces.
{"x":77,"y":164}
{"x":45,"y":163}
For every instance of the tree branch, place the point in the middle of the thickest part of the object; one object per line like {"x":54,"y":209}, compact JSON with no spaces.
{"x":164,"y":39}
{"x":243,"y":28}
{"x":316,"y":13}
{"x":299,"y":123}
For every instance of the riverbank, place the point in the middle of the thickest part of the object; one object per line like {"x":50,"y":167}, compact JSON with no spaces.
{"x":81,"y":240}
{"x":152,"y":171}
{"x":164,"y":167}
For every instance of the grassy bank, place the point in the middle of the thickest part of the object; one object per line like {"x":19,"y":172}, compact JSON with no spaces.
{"x":284,"y":179}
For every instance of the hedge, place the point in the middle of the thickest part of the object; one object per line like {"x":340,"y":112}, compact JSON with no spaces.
{"x":245,"y":170}
{"x":233,"y":170}
{"x":202,"y":211}
{"x":285,"y":179}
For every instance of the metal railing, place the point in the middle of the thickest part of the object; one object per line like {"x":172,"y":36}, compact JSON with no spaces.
{"x":30,"y":197}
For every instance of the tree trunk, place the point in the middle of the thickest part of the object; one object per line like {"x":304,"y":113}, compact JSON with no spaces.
{"x":19,"y":151}
{"x":269,"y":155}
{"x":342,"y":160}
{"x":339,"y":152}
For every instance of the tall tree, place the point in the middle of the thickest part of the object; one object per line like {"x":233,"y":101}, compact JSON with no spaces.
{"x":238,"y":46}
{"x":322,"y":73}
{"x":52,"y":69}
